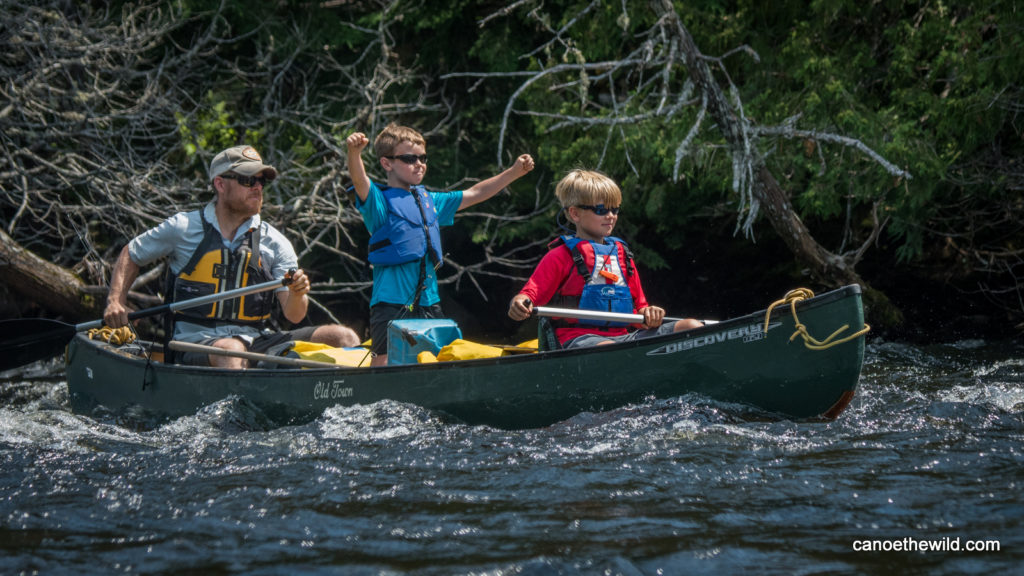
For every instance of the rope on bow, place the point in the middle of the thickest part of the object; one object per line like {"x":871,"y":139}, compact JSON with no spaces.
{"x":791,"y":298}
{"x":115,"y":336}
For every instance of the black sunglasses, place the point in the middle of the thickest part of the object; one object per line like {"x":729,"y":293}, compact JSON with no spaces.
{"x":600,"y":210}
{"x":409,"y":158}
{"x":248,"y":181}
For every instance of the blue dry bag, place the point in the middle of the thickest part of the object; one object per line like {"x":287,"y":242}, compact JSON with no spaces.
{"x":407,"y":338}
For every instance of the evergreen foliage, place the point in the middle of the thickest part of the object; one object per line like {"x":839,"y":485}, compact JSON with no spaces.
{"x":935,"y":88}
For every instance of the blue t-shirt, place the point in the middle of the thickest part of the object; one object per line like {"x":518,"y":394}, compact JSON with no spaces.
{"x":397,"y":284}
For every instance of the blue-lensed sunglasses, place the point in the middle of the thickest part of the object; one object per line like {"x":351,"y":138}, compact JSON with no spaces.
{"x":600,"y":210}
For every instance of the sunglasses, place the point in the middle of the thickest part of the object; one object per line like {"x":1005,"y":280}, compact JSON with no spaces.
{"x":409,"y":159}
{"x":600,"y":210}
{"x":248,"y":181}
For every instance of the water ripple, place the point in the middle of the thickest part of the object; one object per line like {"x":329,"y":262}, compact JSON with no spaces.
{"x":929,"y":449}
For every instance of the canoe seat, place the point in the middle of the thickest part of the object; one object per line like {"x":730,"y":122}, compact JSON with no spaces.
{"x":546,"y":339}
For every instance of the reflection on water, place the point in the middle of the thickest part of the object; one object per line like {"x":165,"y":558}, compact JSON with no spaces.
{"x":929,"y":451}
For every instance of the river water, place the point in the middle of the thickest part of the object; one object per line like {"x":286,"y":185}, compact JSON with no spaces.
{"x":930,"y":454}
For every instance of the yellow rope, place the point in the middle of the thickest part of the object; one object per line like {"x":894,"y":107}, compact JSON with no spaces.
{"x":116,"y":336}
{"x":794,"y":296}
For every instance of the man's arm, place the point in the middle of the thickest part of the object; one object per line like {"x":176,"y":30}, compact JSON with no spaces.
{"x":125,"y":272}
{"x":294,"y":302}
{"x":355,"y":143}
{"x":483,"y":190}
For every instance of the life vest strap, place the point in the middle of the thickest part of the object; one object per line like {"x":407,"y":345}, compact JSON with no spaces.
{"x":421,"y":283}
{"x":382,"y":244}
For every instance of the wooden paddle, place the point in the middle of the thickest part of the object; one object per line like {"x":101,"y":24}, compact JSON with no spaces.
{"x":598,"y":315}
{"x":26,"y":340}
{"x":203,"y":349}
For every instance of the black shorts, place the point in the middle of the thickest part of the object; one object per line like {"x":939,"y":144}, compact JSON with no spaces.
{"x":382,"y":313}
{"x":260,"y":345}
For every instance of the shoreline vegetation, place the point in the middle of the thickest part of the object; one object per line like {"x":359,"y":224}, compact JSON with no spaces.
{"x":762,"y":148}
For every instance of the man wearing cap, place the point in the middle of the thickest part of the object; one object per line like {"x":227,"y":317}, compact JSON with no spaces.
{"x":220,"y":247}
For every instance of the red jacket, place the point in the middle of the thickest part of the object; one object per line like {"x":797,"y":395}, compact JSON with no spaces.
{"x":556,"y":274}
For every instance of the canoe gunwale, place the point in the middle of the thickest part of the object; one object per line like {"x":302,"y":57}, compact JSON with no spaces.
{"x":655,"y":341}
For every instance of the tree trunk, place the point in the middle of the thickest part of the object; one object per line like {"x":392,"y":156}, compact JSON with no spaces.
{"x":830,"y":269}
{"x":45,"y":285}
{"x":827,"y":267}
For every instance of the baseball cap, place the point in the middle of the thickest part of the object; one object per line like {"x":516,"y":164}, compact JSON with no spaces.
{"x":244,"y":160}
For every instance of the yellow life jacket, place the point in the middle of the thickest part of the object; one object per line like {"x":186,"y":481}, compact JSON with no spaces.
{"x":215,"y":268}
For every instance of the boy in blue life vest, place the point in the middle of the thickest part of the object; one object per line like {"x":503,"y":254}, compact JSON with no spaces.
{"x":404,"y":221}
{"x":591,"y":270}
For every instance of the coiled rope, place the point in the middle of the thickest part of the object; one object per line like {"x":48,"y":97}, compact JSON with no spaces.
{"x":116,"y":336}
{"x":794,"y":296}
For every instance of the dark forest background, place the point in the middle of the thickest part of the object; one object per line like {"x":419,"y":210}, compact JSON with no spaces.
{"x":760,"y":146}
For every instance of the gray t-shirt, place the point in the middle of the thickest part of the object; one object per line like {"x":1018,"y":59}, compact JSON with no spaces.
{"x":180,"y":235}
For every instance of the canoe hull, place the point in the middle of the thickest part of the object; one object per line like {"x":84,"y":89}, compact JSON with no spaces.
{"x":732,"y":361}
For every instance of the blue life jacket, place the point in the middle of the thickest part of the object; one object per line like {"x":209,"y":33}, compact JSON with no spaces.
{"x":411,"y":230}
{"x":605,"y":286}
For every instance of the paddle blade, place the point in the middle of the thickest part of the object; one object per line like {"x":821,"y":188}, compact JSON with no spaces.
{"x":27,"y":340}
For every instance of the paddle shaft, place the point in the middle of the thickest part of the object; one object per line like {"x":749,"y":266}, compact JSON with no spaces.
{"x":193,"y":302}
{"x":202,"y":349}
{"x":592,"y":315}
{"x":26,"y":340}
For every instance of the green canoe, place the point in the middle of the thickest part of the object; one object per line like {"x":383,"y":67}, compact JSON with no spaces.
{"x":775,"y":371}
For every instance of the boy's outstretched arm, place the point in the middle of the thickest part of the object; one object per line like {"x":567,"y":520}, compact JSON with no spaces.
{"x":360,"y":181}
{"x":483,"y":190}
